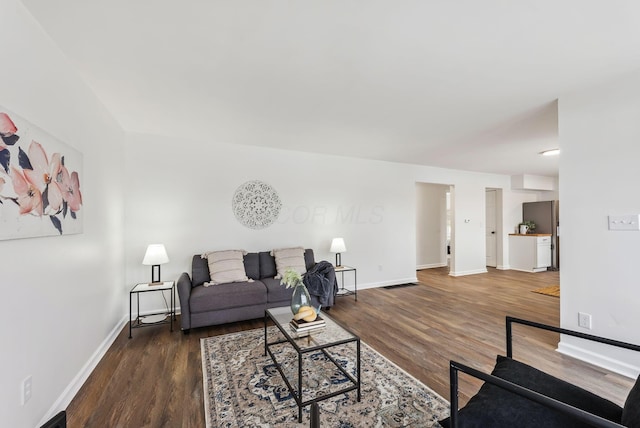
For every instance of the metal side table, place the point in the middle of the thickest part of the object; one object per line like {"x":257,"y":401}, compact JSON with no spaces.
{"x":342,"y":290}
{"x":144,"y":287}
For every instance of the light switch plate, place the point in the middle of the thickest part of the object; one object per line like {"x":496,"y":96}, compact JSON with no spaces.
{"x":624,"y":222}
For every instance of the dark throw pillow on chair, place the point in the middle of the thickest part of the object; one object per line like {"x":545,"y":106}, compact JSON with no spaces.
{"x":631,"y":410}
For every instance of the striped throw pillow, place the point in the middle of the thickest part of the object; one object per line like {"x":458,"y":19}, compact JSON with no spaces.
{"x":289,"y":258}
{"x":226,"y":266}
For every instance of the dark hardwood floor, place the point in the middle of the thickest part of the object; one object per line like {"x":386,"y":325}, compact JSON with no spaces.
{"x":155,"y":379}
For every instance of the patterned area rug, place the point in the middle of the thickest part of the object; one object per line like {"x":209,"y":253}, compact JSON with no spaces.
{"x":242,"y":388}
{"x":553,"y":290}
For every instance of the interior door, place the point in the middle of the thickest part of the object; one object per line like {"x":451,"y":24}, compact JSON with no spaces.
{"x":490,"y":222}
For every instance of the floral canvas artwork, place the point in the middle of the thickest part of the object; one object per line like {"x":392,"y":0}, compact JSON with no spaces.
{"x":40,"y":191}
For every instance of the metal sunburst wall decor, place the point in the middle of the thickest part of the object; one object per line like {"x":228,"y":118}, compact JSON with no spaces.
{"x":256,"y":204}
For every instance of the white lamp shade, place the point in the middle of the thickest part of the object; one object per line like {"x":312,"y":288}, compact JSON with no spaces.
{"x":337,"y":246}
{"x":155,"y":255}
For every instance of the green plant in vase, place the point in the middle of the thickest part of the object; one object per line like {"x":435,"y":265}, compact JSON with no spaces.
{"x":291,"y":278}
{"x":300,"y":296}
{"x":528,"y":226}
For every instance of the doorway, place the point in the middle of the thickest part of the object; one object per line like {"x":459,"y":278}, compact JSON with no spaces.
{"x":494,"y":229}
{"x":434,"y":226}
{"x":491,"y":229}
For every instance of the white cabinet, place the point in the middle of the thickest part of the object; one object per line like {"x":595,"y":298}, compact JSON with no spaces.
{"x":530,"y":253}
{"x":543,"y":253}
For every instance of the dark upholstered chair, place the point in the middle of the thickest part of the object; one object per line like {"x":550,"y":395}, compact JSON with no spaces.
{"x":58,"y":421}
{"x":518,"y":395}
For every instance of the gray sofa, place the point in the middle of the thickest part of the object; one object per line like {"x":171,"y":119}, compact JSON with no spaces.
{"x":223,"y":303}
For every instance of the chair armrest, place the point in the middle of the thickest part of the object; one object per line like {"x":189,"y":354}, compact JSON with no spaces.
{"x":184,"y":292}
{"x":512,"y":320}
{"x":529,"y":394}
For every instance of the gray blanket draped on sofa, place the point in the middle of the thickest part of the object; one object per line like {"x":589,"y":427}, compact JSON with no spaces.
{"x":321,"y":282}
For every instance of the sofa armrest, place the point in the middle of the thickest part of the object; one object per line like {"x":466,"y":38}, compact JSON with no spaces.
{"x":184,"y":292}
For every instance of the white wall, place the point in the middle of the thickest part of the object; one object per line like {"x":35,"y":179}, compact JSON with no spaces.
{"x":62,"y":295}
{"x":599,"y":176}
{"x":179,"y":193}
{"x":431,"y":225}
{"x":182,"y":192}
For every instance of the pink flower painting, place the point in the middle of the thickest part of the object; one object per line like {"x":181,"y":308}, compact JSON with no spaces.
{"x":29,"y":197}
{"x":42,"y":175}
{"x":4,"y":157}
{"x":39,"y":192}
{"x":70,"y":188}
{"x":8,"y":129}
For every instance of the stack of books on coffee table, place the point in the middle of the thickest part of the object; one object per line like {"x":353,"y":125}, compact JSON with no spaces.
{"x":302,"y":326}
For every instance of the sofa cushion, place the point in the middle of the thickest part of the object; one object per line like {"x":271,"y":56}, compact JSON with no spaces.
{"x":199,"y":270}
{"x":631,"y":410}
{"x":276,"y":292}
{"x":493,"y":406}
{"x":226,"y":266}
{"x":289,"y":258}
{"x":252,"y":265}
{"x":267,"y":265}
{"x":309,"y":260}
{"x":225,"y":296}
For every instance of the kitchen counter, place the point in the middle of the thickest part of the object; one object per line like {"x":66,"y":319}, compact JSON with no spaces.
{"x":530,"y":252}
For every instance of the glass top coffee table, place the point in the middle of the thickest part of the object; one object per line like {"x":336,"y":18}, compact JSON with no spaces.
{"x":305,"y":349}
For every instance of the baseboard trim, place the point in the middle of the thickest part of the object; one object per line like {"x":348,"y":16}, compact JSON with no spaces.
{"x":503,"y":267}
{"x":431,"y":266}
{"x":386,"y":283}
{"x":599,"y":360}
{"x":74,"y":386}
{"x":468,"y":272}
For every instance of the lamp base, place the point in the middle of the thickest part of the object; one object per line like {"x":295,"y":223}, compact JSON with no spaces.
{"x":156,"y":283}
{"x":155,"y":275}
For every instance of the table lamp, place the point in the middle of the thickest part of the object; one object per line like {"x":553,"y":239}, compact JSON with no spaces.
{"x":155,"y":256}
{"x":337,"y":246}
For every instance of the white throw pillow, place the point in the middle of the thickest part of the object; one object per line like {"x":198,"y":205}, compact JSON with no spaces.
{"x":226,"y":266}
{"x":289,"y":258}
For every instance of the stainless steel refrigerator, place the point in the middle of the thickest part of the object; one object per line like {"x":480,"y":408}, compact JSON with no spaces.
{"x":545,"y":215}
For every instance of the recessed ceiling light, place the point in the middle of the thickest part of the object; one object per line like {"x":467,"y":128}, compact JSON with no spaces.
{"x":552,"y":152}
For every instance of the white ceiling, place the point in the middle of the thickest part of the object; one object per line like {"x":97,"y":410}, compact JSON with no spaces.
{"x":461,"y":84}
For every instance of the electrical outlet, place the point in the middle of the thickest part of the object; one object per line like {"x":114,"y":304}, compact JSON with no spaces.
{"x":26,"y":390}
{"x":584,"y":320}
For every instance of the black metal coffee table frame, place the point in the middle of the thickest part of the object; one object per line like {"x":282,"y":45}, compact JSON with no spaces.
{"x":293,"y":339}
